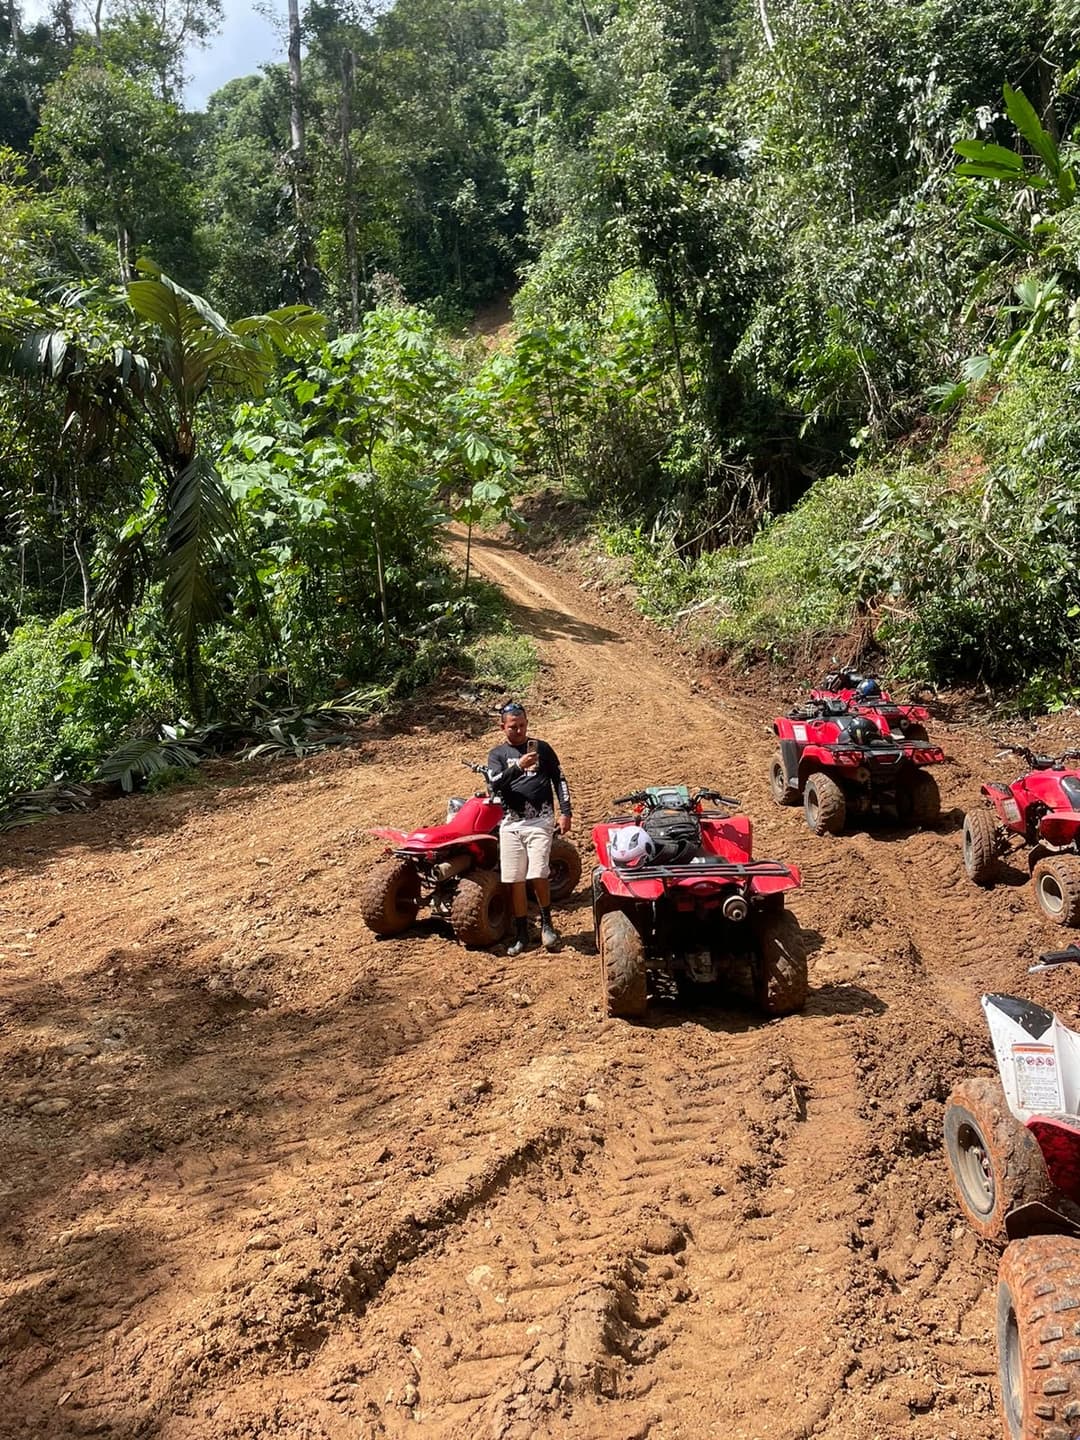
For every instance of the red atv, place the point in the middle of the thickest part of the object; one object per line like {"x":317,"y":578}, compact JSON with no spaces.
{"x":694,"y":905}
{"x":454,"y":868}
{"x":838,"y":762}
{"x":864,"y":694}
{"x":1013,"y":1147}
{"x":1042,"y":810}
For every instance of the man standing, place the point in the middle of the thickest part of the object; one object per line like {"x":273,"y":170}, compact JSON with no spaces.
{"x":526,"y":776}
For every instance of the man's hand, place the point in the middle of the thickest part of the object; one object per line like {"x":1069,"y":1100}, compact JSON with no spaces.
{"x":564,"y":824}
{"x":529,"y":760}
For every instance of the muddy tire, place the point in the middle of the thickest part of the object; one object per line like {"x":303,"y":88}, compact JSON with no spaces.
{"x":995,"y":1161}
{"x":924,"y":799}
{"x":565,"y":868}
{"x":480,"y":910}
{"x":1057,"y":888}
{"x":390,"y":896}
{"x":917,"y":734}
{"x":824,"y":805}
{"x":1038,"y":1293}
{"x":980,"y":846}
{"x":780,"y":981}
{"x":780,"y":790}
{"x":622,"y":966}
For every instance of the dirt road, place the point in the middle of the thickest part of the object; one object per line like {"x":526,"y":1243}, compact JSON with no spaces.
{"x":265,"y":1175}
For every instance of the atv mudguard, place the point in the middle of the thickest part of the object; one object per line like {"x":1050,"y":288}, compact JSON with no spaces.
{"x":484,"y":846}
{"x":1038,"y":1219}
{"x":1059,"y":827}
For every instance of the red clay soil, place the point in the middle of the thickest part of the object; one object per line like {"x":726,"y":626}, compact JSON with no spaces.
{"x":265,"y":1175}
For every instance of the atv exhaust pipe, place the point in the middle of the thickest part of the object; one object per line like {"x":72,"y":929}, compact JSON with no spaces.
{"x":457,"y":865}
{"x":735,"y":908}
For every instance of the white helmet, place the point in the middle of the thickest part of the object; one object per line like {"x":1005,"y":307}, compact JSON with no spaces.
{"x":631,"y":846}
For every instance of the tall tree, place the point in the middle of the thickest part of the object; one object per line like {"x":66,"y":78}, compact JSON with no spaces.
{"x":114,"y":146}
{"x":149,"y":39}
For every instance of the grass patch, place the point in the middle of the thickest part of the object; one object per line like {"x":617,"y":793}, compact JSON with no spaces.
{"x":506,"y":661}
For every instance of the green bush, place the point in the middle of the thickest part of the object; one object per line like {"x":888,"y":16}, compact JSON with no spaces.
{"x":62,"y":707}
{"x":965,"y":563}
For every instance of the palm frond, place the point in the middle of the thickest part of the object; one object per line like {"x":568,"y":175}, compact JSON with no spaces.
{"x":149,"y":755}
{"x":125,"y":574}
{"x":199,"y":517}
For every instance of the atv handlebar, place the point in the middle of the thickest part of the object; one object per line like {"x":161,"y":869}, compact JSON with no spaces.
{"x":642,"y":797}
{"x":1053,"y":958}
{"x":843,"y":678}
{"x":1035,"y":760}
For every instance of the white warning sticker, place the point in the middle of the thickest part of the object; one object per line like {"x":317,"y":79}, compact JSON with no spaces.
{"x":1038,"y":1083}
{"x":799,"y":731}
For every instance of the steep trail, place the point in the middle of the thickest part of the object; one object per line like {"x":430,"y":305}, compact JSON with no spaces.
{"x":303,"y":1182}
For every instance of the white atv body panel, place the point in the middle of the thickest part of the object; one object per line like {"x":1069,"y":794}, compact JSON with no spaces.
{"x":1038,"y":1057}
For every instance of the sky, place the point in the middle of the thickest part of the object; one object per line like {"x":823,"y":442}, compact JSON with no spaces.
{"x":247,"y":40}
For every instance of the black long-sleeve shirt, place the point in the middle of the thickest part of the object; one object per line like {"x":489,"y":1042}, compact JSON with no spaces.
{"x":528,"y":793}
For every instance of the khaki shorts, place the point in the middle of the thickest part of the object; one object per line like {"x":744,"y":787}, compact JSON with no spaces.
{"x":525,"y":849}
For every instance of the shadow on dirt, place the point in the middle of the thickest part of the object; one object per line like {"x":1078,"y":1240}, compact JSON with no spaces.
{"x":547,"y":623}
{"x":1011,"y":875}
{"x":844,"y":999}
{"x":888,"y":830}
{"x":731,"y":1012}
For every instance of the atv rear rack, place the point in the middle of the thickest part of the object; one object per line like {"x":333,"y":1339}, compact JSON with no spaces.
{"x":722,"y":869}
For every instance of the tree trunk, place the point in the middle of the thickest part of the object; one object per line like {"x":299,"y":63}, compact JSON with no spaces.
{"x":308,"y":284}
{"x":672,"y":315}
{"x":124,"y":247}
{"x":16,"y":36}
{"x":763,"y":15}
{"x":352,"y":264}
{"x":296,"y":108}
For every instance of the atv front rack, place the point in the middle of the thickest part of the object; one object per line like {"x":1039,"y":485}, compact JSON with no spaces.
{"x":722,"y":869}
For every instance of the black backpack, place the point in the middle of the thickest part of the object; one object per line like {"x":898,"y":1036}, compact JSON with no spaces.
{"x":676,"y":835}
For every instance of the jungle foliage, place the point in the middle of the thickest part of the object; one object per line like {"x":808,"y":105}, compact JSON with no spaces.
{"x":796,"y":313}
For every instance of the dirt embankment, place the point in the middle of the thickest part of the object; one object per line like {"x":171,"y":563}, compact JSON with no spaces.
{"x":266,"y":1175}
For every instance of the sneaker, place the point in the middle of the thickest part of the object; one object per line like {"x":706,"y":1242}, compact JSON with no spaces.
{"x":549,"y":936}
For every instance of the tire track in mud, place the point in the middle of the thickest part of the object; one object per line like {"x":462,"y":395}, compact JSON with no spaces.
{"x":924,"y":947}
{"x":497,"y":1215}
{"x":584,"y":1287}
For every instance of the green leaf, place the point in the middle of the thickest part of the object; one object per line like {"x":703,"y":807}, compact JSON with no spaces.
{"x":1022,"y":113}
{"x":988,"y":153}
{"x":990,"y":222}
{"x":999,"y":172}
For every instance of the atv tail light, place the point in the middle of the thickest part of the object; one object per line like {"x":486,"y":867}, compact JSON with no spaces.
{"x":849,"y":757}
{"x":927,"y":757}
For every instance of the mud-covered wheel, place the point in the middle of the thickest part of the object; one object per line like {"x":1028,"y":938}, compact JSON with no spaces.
{"x":480,"y":910}
{"x":390,"y":896}
{"x":781,"y":791}
{"x":622,"y":966}
{"x":924,"y":799}
{"x":780,"y":980}
{"x":1038,"y":1294}
{"x":824,"y":805}
{"x":565,"y":869}
{"x":1057,"y":888}
{"x":980,"y":846}
{"x":995,"y":1161}
{"x":917,"y":734}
